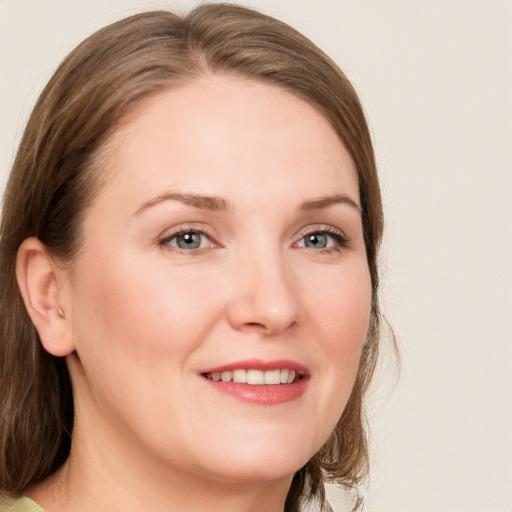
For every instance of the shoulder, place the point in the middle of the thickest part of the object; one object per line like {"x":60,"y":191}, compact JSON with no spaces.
{"x":18,"y":505}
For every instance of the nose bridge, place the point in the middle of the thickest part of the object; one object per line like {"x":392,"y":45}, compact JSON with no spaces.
{"x":264,"y":295}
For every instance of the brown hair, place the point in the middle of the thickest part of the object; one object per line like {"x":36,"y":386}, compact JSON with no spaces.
{"x":55,"y":176}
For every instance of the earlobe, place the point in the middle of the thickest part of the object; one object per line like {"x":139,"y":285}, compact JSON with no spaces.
{"x":39,"y":282}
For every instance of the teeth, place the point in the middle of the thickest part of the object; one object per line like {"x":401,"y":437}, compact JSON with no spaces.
{"x":273,"y":377}
{"x":254,"y":377}
{"x":240,"y":376}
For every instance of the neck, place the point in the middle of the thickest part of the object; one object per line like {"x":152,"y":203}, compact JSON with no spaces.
{"x":98,"y":478}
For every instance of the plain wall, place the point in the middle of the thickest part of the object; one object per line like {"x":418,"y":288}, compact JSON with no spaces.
{"x":436,"y":81}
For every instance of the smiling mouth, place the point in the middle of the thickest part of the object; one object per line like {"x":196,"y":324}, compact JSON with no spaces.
{"x":260,"y":382}
{"x":256,"y":377}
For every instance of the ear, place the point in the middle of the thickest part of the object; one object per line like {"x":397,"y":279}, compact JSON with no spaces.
{"x":41,"y":281}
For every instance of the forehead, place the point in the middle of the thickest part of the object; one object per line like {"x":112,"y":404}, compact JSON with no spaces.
{"x":218,"y":132}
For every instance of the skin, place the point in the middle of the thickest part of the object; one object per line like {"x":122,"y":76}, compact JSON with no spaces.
{"x":143,"y":318}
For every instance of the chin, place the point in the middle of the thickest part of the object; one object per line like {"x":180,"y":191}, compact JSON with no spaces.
{"x":265,"y":457}
{"x":254,"y":471}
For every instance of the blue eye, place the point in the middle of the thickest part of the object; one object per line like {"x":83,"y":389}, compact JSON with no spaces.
{"x":316,"y":241}
{"x":189,"y":240}
{"x":322,"y":240}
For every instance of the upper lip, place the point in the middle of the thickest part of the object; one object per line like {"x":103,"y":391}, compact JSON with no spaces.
{"x":258,"y":364}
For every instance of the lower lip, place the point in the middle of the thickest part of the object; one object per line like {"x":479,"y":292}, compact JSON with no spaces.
{"x":262,"y":394}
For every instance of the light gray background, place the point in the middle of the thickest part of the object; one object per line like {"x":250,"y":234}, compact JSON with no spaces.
{"x":436,"y":80}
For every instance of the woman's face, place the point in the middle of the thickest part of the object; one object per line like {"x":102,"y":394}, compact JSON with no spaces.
{"x":226,"y":244}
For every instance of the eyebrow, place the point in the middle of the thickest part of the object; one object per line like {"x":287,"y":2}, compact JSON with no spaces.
{"x":325,"y":202}
{"x":219,"y":204}
{"x":215,"y":204}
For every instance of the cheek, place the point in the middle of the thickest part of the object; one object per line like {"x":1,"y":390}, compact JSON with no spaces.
{"x":135,"y":330}
{"x":142,"y":310}
{"x":342,"y":306}
{"x":342,"y":316}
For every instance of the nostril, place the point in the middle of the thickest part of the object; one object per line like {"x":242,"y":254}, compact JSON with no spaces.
{"x":254,"y":326}
{"x":264,"y":329}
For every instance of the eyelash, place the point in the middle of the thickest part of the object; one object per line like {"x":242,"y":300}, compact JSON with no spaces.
{"x":341,"y":241}
{"x":165,"y":241}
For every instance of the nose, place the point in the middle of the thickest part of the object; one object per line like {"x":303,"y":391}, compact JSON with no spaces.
{"x":264,"y":296}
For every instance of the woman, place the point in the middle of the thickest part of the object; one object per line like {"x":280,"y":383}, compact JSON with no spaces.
{"x":188,"y":272}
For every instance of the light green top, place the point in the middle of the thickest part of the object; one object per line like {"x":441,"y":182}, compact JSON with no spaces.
{"x":18,"y":505}
{"x":27,"y":505}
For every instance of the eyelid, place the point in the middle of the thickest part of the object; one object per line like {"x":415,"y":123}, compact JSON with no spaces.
{"x":341,"y":239}
{"x":170,"y":233}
